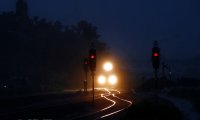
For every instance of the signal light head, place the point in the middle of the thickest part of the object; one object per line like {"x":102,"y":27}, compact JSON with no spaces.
{"x":155,"y":57}
{"x":92,"y":59}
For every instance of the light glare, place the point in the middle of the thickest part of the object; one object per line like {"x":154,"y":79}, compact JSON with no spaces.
{"x":108,"y":66}
{"x":101,"y":79}
{"x":112,"y":79}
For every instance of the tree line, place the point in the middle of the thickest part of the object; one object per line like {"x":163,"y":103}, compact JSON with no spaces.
{"x":43,"y":55}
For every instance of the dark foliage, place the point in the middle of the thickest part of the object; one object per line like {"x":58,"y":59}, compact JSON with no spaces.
{"x":39,"y":55}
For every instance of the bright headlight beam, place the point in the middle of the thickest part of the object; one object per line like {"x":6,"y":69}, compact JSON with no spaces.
{"x":108,"y":66}
{"x":112,"y":79}
{"x":101,"y":79}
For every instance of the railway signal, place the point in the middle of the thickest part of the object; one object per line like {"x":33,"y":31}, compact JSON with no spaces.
{"x":92,"y":63}
{"x":156,"y":64}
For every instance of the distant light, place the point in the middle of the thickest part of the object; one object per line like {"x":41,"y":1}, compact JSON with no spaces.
{"x":5,"y":86}
{"x":101,"y":79}
{"x":108,"y":66}
{"x":155,"y":54}
{"x":112,"y":79}
{"x":86,"y":63}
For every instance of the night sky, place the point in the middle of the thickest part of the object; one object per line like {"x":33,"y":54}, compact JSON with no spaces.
{"x":130,"y":26}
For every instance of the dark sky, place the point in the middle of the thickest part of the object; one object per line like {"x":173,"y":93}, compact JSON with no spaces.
{"x":130,"y":26}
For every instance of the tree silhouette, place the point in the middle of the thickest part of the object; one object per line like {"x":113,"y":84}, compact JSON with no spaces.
{"x":44,"y":55}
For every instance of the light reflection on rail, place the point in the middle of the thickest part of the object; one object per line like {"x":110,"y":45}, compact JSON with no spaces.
{"x":106,"y":97}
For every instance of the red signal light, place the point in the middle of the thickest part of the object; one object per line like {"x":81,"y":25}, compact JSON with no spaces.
{"x":155,"y":54}
{"x":92,"y":59}
{"x":86,"y":63}
{"x":92,"y":56}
